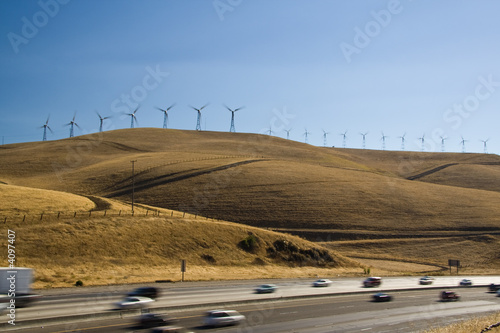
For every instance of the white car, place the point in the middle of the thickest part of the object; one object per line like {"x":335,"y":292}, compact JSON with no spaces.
{"x":133,"y":302}
{"x":426,"y":280}
{"x":216,"y":318}
{"x":322,"y":283}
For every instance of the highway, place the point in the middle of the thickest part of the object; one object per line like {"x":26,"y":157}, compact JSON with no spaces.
{"x":343,"y":307}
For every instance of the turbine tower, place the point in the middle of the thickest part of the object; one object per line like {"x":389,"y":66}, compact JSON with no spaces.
{"x":325,"y":139}
{"x":232,"y":128}
{"x":484,"y":144}
{"x":288,"y":133}
{"x":72,"y":125}
{"x":270,"y":131}
{"x":402,"y":137}
{"x":165,"y":115}
{"x":344,"y":139}
{"x":383,"y":140}
{"x":364,"y":139}
{"x":422,"y":139}
{"x":463,"y":144}
{"x":132,"y":117}
{"x":306,"y":136}
{"x":101,"y":120}
{"x":45,"y":129}
{"x":198,"y":120}
{"x":443,"y":138}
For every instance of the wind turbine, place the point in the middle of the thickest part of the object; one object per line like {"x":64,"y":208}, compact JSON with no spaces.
{"x":101,"y":120}
{"x":71,"y":125}
{"x":306,"y":136}
{"x":45,"y":129}
{"x":463,"y":144}
{"x":344,"y":138}
{"x":270,"y":131}
{"x":288,"y":133}
{"x":383,"y":140}
{"x":165,"y":115}
{"x":443,"y":138}
{"x":422,"y":139}
{"x":364,"y":139}
{"x":232,"y":128}
{"x":198,"y":120}
{"x":132,"y":117}
{"x":485,"y":147}
{"x":402,"y":137}
{"x":325,"y":141}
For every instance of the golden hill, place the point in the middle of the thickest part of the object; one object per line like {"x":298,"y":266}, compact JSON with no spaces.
{"x":266,"y":181}
{"x":324,"y":194}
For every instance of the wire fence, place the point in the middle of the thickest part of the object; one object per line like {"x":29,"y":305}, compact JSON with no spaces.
{"x":67,"y":215}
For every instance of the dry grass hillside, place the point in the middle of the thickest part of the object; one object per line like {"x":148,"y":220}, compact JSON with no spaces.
{"x":324,"y":194}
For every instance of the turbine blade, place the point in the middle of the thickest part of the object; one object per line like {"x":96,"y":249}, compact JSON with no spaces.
{"x":171,"y":106}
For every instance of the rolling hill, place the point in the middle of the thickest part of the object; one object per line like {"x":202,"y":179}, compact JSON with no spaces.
{"x":323,"y":194}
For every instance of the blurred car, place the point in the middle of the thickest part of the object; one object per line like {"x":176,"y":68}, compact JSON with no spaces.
{"x":149,"y":292}
{"x":449,"y":296}
{"x":133,"y":303}
{"x":22,"y":300}
{"x":492,"y":288}
{"x":382,"y":297}
{"x":498,"y":292}
{"x":322,"y":283}
{"x":170,"y":329}
{"x":466,"y":282}
{"x":426,"y":280}
{"x":154,"y":319}
{"x":372,"y":282}
{"x":266,"y":288}
{"x":217,"y":318}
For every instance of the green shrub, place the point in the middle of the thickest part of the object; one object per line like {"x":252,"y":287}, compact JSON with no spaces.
{"x":79,"y":283}
{"x":249,"y":243}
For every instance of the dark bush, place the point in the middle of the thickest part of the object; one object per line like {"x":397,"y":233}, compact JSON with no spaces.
{"x":249,"y":243}
{"x":79,"y":283}
{"x":208,"y":258}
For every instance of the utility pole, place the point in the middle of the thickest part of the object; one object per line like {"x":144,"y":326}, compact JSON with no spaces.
{"x":133,"y":184}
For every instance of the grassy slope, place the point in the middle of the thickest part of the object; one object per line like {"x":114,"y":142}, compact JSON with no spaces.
{"x":112,"y":249}
{"x":269,"y":182}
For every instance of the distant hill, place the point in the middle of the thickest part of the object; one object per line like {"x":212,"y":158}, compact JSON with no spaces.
{"x":267,"y":181}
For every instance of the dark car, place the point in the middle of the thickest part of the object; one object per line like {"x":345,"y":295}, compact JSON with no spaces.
{"x":154,"y":319}
{"x":493,"y":288}
{"x":372,"y":282}
{"x":449,"y":296}
{"x":382,"y":297}
{"x":149,"y":292}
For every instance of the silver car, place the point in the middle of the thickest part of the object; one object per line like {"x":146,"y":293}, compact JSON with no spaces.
{"x":322,"y":283}
{"x":217,"y":318}
{"x":133,"y":303}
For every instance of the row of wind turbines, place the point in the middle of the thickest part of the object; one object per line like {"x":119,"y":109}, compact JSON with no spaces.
{"x":165,"y":111}
{"x":133,"y":120}
{"x":384,"y":137}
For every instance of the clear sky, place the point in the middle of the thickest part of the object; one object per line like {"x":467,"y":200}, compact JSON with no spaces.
{"x":420,"y":67}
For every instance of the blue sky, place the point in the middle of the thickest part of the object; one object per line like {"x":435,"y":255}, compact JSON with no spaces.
{"x":420,"y":67}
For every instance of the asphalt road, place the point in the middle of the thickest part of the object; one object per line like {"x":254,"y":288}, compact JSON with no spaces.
{"x":197,"y":297}
{"x":410,"y":311}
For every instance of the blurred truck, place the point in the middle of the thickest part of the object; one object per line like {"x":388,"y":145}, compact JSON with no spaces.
{"x":15,"y":286}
